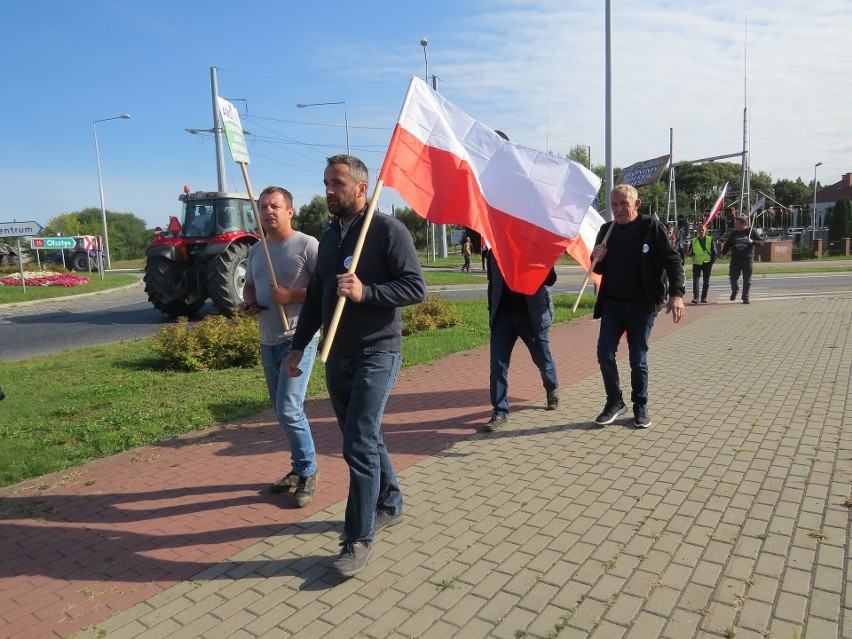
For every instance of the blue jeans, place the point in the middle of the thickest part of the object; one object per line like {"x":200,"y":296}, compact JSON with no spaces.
{"x":508,"y":326}
{"x":359,"y":386}
{"x":637,"y":320}
{"x":288,"y":399}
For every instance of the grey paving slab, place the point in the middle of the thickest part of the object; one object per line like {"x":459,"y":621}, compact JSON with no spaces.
{"x":728,"y":515}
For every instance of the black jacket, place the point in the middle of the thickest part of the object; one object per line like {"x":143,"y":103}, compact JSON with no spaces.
{"x":662,"y":270}
{"x":390,"y":272}
{"x":539,"y":304}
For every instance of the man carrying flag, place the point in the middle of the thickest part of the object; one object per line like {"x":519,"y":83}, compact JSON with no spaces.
{"x":365,"y":358}
{"x":740,"y":244}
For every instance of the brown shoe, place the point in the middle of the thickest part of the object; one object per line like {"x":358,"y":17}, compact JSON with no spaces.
{"x":306,"y":490}
{"x":285,"y":484}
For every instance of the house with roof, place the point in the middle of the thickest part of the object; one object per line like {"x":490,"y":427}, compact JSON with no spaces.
{"x":827,"y":196}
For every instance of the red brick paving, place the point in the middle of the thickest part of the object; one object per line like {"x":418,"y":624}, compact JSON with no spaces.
{"x":80,"y":545}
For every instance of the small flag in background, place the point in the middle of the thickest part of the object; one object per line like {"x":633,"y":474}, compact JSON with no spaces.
{"x":452,"y":169}
{"x":716,"y":207}
{"x":757,"y":206}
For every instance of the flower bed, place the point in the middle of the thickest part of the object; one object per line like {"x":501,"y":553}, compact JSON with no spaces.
{"x":44,"y":278}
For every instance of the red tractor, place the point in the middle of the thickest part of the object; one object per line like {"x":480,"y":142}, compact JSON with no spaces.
{"x":203,"y":255}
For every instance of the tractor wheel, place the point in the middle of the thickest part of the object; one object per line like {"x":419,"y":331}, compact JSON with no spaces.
{"x":80,"y":261}
{"x":162,"y":283}
{"x":226,"y":277}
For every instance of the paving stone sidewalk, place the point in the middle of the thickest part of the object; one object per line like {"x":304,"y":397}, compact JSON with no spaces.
{"x":729,"y":515}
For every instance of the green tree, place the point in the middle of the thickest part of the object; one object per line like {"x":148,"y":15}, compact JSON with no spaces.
{"x":128,"y":235}
{"x":788,"y":192}
{"x":840,"y":225}
{"x":415,"y":224}
{"x":313,"y":217}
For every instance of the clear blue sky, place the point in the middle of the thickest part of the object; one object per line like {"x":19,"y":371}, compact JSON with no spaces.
{"x":533,"y":69}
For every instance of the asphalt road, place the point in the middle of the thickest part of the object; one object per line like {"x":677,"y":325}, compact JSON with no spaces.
{"x":58,"y":325}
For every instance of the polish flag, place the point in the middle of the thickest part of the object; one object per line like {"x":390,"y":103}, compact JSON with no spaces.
{"x":716,"y":207}
{"x":452,"y":169}
{"x":581,"y":247}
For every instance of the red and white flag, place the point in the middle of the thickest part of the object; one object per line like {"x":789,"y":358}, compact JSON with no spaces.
{"x":580,"y":248}
{"x":452,"y":169}
{"x":716,"y":207}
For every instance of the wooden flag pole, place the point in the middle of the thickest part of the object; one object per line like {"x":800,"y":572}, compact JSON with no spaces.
{"x":356,"y":255}
{"x":591,"y":269}
{"x":263,"y":242}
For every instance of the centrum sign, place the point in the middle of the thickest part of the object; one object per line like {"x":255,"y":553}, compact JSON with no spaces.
{"x":19,"y":229}
{"x":52,"y":243}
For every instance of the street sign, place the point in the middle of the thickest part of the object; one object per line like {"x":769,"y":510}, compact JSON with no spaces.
{"x":233,"y":131}
{"x":52,"y":243}
{"x":19,"y":229}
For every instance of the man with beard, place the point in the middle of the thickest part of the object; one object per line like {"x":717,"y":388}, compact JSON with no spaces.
{"x":365,"y":356}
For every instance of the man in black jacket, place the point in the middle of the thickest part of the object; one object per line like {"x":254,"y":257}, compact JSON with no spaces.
{"x":639,"y":269}
{"x":365,"y":356}
{"x":740,"y":244}
{"x":513,"y":315}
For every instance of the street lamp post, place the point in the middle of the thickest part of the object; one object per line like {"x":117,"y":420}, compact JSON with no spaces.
{"x":302,"y":105}
{"x":124,"y":116}
{"x":814,"y":215}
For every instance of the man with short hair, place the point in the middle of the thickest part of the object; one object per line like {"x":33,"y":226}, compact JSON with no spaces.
{"x":639,"y":269}
{"x":294,"y":257}
{"x":740,"y":244}
{"x":365,"y":356}
{"x":702,"y":252}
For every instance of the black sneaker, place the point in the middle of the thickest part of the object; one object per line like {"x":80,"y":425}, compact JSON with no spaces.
{"x":641,"y":419}
{"x":703,"y":301}
{"x":285,"y":484}
{"x":611,"y":412}
{"x":734,"y":294}
{"x":352,"y":559}
{"x":553,"y":400}
{"x":695,"y":301}
{"x":497,"y":421}
{"x":746,"y":302}
{"x":306,"y":489}
{"x":384,"y":519}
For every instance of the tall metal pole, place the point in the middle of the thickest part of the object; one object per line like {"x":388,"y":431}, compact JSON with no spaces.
{"x":217,"y":132}
{"x":608,"y":106}
{"x":124,"y":116}
{"x":745,"y":187}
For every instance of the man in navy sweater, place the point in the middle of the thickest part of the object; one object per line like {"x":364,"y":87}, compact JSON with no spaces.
{"x":365,"y":357}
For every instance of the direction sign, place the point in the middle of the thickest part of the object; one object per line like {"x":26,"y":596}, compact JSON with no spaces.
{"x":19,"y":229}
{"x":52,"y":243}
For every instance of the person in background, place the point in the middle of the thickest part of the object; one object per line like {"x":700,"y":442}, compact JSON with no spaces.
{"x":740,"y":244}
{"x":639,"y":269}
{"x":702,"y":253}
{"x":365,"y":355}
{"x":483,"y":251}
{"x":511,"y":316}
{"x":294,"y":257}
{"x":467,"y":251}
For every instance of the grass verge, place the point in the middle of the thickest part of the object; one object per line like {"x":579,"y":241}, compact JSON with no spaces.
{"x":14,"y":294}
{"x":99,"y":401}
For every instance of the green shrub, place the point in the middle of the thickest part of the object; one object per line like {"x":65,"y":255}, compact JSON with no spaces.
{"x":803,"y":251}
{"x":431,"y":314}
{"x":214,"y":343}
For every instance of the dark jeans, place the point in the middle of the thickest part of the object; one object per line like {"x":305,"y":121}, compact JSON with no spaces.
{"x":741,"y":267}
{"x":636,"y":319}
{"x":508,"y":327}
{"x":358,"y":387}
{"x":701,"y":270}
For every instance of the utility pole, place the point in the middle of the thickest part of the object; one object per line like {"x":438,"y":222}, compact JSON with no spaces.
{"x":217,"y":132}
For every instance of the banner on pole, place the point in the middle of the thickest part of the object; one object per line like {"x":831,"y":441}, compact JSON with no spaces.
{"x":233,"y":131}
{"x":642,"y":173}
